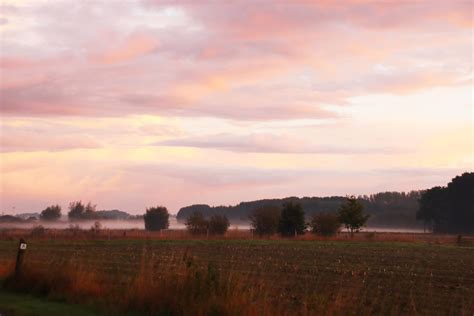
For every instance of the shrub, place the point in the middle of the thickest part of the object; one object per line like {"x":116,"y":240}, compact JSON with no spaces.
{"x":264,"y":220}
{"x":197,"y":224}
{"x":292,"y":220}
{"x":156,"y":218}
{"x":218,"y":224}
{"x":51,"y":213}
{"x":325,"y":224}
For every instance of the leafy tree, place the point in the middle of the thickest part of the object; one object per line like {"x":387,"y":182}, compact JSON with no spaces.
{"x":156,"y":218}
{"x":197,"y":224}
{"x":76,"y":210}
{"x":292,"y":220}
{"x":89,"y":211}
{"x":449,"y":209}
{"x":351,"y":215}
{"x":434,"y":208}
{"x":51,"y":213}
{"x":218,"y":224}
{"x":461,"y":200}
{"x":325,"y":224}
{"x":264,"y":220}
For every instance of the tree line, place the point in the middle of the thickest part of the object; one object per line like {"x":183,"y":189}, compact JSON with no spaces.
{"x":77,"y":211}
{"x":286,"y":220}
{"x":81,"y":211}
{"x":447,"y":209}
{"x":396,"y":209}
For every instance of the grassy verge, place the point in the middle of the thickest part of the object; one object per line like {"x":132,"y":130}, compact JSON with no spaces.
{"x":14,"y":304}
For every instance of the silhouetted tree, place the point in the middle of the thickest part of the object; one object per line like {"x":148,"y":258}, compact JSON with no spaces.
{"x":156,"y":218}
{"x":292,"y":220}
{"x":77,"y":210}
{"x":434,"y":208}
{"x":51,"y":213}
{"x":351,"y":215}
{"x":325,"y":224}
{"x":89,"y":212}
{"x":218,"y":224}
{"x":461,"y":200}
{"x":264,"y":220}
{"x":450,"y":209}
{"x":197,"y":224}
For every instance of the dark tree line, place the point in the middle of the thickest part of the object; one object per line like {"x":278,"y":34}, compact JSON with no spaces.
{"x":396,"y":209}
{"x":449,"y":209}
{"x":81,"y":211}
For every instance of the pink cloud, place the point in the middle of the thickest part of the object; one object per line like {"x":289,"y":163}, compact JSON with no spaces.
{"x":229,"y":60}
{"x":271,"y":143}
{"x":14,"y":63}
{"x":132,"y":47}
{"x":226,"y":71}
{"x":26,"y":141}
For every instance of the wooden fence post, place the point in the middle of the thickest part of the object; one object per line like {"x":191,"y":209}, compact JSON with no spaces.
{"x":19,"y":257}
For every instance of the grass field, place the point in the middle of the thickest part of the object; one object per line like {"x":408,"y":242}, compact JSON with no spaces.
{"x":284,"y":276}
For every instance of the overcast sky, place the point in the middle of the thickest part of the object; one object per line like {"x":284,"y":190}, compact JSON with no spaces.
{"x":130,"y":104}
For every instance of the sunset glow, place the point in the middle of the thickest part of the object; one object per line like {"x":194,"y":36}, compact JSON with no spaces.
{"x":130,"y":104}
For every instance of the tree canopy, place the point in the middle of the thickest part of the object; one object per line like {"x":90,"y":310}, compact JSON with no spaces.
{"x":218,"y":224}
{"x":351,"y":214}
{"x":450,"y":209}
{"x":156,"y":218}
{"x":292,"y":220}
{"x":264,"y":220}
{"x":197,"y":224}
{"x":77,"y":210}
{"x":51,"y":213}
{"x":325,"y":224}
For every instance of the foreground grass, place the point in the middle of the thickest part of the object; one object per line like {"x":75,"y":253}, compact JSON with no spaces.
{"x":14,"y":304}
{"x":279,"y":277}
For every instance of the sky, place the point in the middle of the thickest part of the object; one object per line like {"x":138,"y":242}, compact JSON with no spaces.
{"x":132,"y":104}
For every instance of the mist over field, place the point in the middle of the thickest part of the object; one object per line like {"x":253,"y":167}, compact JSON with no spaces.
{"x":174,"y":224}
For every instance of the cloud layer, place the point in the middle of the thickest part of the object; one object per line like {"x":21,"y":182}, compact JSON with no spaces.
{"x":235,"y":60}
{"x":178,"y":102}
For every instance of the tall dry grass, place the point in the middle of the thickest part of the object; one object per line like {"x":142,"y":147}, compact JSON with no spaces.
{"x":187,"y":290}
{"x":6,"y":268}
